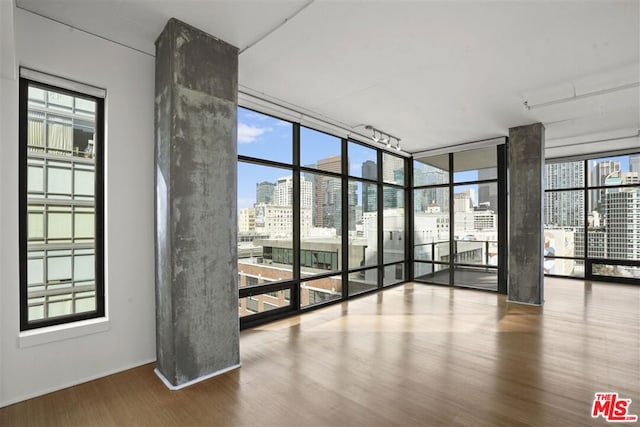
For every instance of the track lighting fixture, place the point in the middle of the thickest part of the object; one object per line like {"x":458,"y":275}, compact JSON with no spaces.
{"x":380,"y":137}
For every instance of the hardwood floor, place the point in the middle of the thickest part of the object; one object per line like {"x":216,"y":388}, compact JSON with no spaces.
{"x":415,"y":355}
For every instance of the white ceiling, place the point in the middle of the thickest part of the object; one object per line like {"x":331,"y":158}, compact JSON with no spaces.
{"x":434,"y":73}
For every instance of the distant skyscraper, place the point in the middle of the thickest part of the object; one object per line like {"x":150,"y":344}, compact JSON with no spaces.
{"x":392,"y":197}
{"x":369,"y":191}
{"x":634,"y":163}
{"x":488,"y":193}
{"x":283,"y":194}
{"x":264,"y":192}
{"x":564,"y":208}
{"x":352,"y":198}
{"x":390,"y":167}
{"x":463,"y":201}
{"x":329,"y":201}
{"x":599,"y":175}
{"x":564,"y":175}
{"x":623,"y":224}
{"x":311,"y":177}
{"x":426,"y":174}
{"x":331,"y":164}
{"x":328,"y":195}
{"x":369,"y":170}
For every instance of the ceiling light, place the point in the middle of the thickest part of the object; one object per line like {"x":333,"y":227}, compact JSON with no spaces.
{"x":380,"y":137}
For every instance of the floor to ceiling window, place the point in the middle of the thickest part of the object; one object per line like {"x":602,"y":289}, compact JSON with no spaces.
{"x":431,"y":219}
{"x":596,"y":198}
{"x":456,"y":218}
{"x":313,"y":211}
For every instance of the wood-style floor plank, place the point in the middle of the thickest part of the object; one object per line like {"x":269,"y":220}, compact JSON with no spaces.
{"x":414,"y":355}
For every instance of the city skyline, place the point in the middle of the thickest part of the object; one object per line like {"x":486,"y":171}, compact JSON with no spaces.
{"x":265,"y":137}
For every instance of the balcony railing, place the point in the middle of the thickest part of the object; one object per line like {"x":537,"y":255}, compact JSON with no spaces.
{"x":468,"y":252}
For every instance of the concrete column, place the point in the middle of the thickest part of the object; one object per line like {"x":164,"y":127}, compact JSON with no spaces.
{"x":526,"y":162}
{"x":196,"y":244}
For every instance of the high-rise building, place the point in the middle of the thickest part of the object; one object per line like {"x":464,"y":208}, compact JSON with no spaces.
{"x":283,"y":194}
{"x":329,"y":204}
{"x":328,"y":195}
{"x":488,"y":193}
{"x":564,"y":174}
{"x":424,"y":174}
{"x":599,"y":174}
{"x":369,"y":191}
{"x":623,"y":224}
{"x":463,"y":201}
{"x":369,"y":170}
{"x":312,"y":178}
{"x":597,"y":243}
{"x":264,"y":192}
{"x":330,"y":164}
{"x":564,"y":208}
{"x":634,"y":163}
{"x":392,"y":168}
{"x":355,"y":211}
{"x":392,"y":197}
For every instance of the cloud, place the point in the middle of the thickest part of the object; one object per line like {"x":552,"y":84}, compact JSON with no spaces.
{"x":248,"y":133}
{"x":255,"y":116}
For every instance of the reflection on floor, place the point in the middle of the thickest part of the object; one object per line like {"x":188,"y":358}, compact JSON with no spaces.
{"x":414,"y":355}
{"x":466,"y":277}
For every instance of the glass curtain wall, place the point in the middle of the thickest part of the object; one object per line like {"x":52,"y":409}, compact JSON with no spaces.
{"x":312,"y":210}
{"x":455,"y":222}
{"x":598,"y":198}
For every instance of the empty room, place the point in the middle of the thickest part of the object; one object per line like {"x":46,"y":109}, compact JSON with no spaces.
{"x":319,"y":213}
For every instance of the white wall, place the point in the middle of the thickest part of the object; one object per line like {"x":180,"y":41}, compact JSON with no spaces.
{"x":129,"y":340}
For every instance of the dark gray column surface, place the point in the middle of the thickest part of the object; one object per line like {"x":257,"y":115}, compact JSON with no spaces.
{"x":196,"y":244}
{"x":526,"y":162}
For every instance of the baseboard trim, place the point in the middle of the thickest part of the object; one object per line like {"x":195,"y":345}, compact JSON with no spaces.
{"x":28,"y":396}
{"x":194,"y":381}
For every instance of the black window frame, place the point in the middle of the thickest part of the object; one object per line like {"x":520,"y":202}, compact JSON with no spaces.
{"x":99,"y":312}
{"x":451,"y":262}
{"x":295,"y":283}
{"x":584,"y":255}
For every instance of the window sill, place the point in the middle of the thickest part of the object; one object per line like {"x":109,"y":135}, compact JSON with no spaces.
{"x":62,"y":332}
